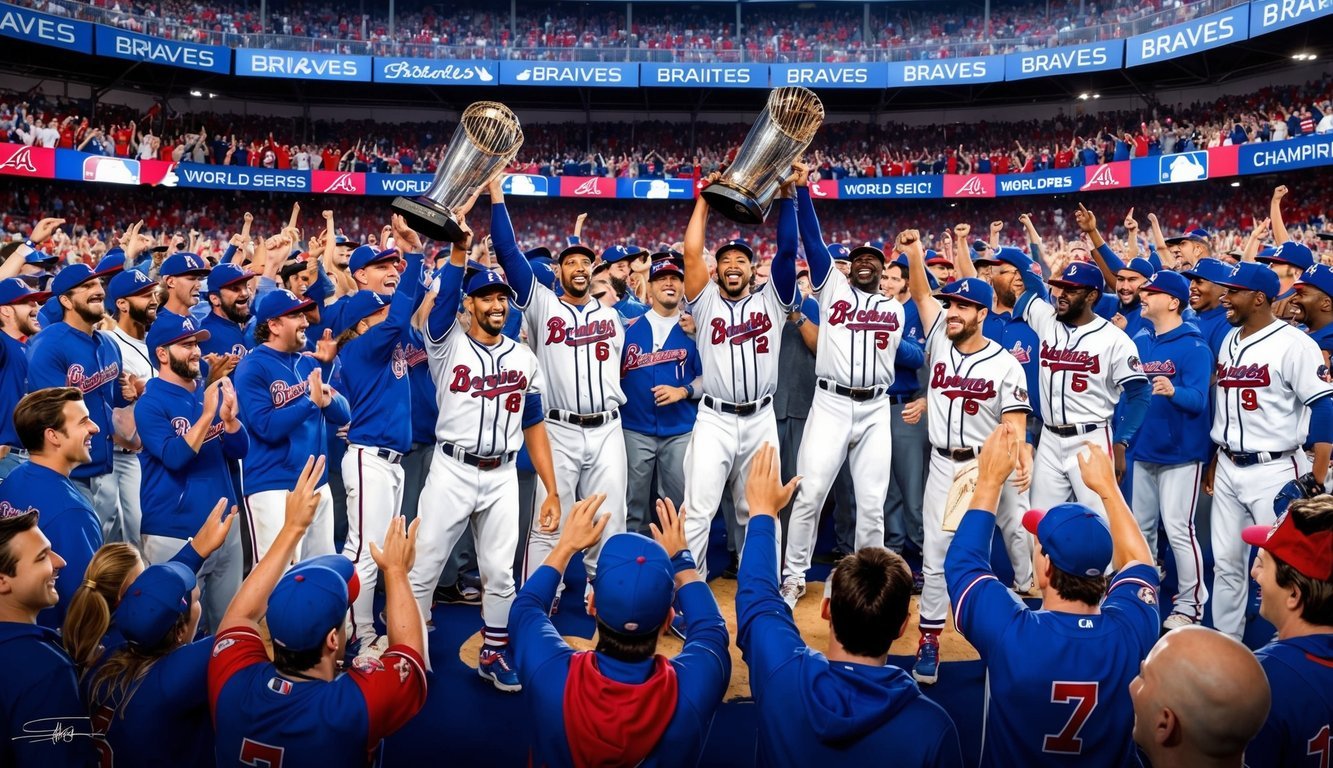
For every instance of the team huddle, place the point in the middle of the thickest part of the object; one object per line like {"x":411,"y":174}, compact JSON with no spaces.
{"x":192,"y":441}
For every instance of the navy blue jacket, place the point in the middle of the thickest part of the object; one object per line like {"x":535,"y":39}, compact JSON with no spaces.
{"x":39,"y":690}
{"x":675,"y":364}
{"x":1176,"y":428}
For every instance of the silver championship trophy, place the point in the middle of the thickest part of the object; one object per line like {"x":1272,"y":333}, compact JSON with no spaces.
{"x":745,"y":192}
{"x":487,"y":139}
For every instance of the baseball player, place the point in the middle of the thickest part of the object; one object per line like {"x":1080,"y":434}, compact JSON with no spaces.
{"x":182,"y":275}
{"x":372,"y":332}
{"x":1086,"y":362}
{"x":56,"y":428}
{"x":1206,"y":301}
{"x":289,"y":411}
{"x":1010,"y":272}
{"x":660,"y":375}
{"x":231,"y":300}
{"x":579,"y":344}
{"x":189,"y":433}
{"x":72,"y":353}
{"x":1270,"y":396}
{"x":911,"y":442}
{"x":739,"y":337}
{"x":1314,"y":306}
{"x":1169,"y":454}
{"x":482,"y":379}
{"x":18,"y":322}
{"x":1063,"y":699}
{"x":133,"y":299}
{"x":850,"y":417}
{"x":974,"y":385}
{"x":297,"y":711}
{"x":1294,"y":570}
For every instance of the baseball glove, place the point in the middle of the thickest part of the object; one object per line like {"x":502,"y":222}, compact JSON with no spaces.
{"x":960,"y":496}
{"x":1303,"y":487}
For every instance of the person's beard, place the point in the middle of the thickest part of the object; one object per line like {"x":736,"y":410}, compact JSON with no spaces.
{"x":90,"y":313}
{"x":144,"y":315}
{"x":969,"y":329}
{"x":183,"y":368}
{"x":1075,"y":311}
{"x":238,"y":316}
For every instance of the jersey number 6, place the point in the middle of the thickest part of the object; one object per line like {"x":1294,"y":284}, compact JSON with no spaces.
{"x":602,"y":350}
{"x":1067,"y":742}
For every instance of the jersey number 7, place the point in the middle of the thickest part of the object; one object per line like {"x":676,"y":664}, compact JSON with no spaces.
{"x":260,"y":755}
{"x":1067,"y":742}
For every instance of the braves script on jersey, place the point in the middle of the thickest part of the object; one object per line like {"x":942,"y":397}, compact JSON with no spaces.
{"x":859,"y":335}
{"x":1264,"y":382}
{"x":738,"y":342}
{"x":968,"y":393}
{"x":481,"y":392}
{"x":1082,"y":367}
{"x":579,"y":349}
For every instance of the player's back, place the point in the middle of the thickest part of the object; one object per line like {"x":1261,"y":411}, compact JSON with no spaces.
{"x":1297,"y":733}
{"x":164,"y":723}
{"x":1059,"y":682}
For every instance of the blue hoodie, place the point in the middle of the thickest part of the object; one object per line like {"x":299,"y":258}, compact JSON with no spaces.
{"x":815,"y":712}
{"x":1176,"y":428}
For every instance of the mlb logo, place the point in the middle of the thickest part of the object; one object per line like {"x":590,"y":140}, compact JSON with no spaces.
{"x":279,"y":686}
{"x":1186,"y":166}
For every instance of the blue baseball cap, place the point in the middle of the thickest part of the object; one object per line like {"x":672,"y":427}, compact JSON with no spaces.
{"x":278,"y":303}
{"x":129,"y":283}
{"x":224,"y":275}
{"x":1080,"y":275}
{"x":365,"y":255}
{"x":1074,"y":537}
{"x":36,"y":256}
{"x":1318,"y":276}
{"x":183,"y":263}
{"x":1292,"y":253}
{"x":735,"y":245}
{"x":112,"y":263}
{"x":615,"y":253}
{"x":1194,"y":235}
{"x":635,"y":584}
{"x":578,"y":249}
{"x":1168,"y":282}
{"x":170,"y":328}
{"x":839,"y":252}
{"x":972,"y":290}
{"x":356,"y":308}
{"x":1007,"y":255}
{"x":154,"y":603}
{"x":15,"y":291}
{"x":1141,"y":266}
{"x":484,"y":280}
{"x":345,"y":240}
{"x":72,"y":277}
{"x":1209,"y":269}
{"x":664,"y":267}
{"x":310,"y":600}
{"x":867,"y":248}
{"x":1263,"y":254}
{"x":933,"y":257}
{"x":540,"y":252}
{"x":1248,"y":276}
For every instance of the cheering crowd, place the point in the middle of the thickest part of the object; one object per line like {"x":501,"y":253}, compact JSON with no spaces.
{"x":214,"y":459}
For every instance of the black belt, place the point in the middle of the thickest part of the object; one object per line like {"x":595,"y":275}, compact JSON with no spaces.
{"x":859,"y":394}
{"x":125,"y":450}
{"x":902,"y":399}
{"x":393,"y":457}
{"x":1251,"y":458}
{"x":957,"y":454}
{"x":737,"y":409}
{"x":475,"y":460}
{"x":1073,"y":429}
{"x":584,"y":420}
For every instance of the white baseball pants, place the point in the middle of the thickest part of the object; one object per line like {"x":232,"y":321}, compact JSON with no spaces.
{"x":374,"y":496}
{"x":263,"y":515}
{"x":1169,"y":494}
{"x":1055,"y":474}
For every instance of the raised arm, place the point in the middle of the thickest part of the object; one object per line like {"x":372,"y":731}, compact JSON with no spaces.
{"x":918,"y":284}
{"x":1099,"y":475}
{"x":783,"y":269}
{"x":816,"y":252}
{"x":1102,"y":254}
{"x":1280,"y":235}
{"x":448,"y":297}
{"x":518,"y":272}
{"x":696,"y":269}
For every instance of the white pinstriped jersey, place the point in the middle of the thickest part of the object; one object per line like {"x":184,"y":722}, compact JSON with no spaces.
{"x":967,"y":394}
{"x":480,"y":391}
{"x":578,"y":348}
{"x":1264,"y":384}
{"x":1082,"y":369}
{"x":738,"y":342}
{"x":859,"y":334}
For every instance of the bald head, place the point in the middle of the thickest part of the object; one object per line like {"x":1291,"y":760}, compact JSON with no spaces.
{"x":1199,"y":698}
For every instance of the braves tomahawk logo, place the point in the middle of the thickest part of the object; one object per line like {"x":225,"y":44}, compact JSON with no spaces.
{"x":972,"y":188}
{"x":757,"y":324}
{"x":559,"y":332}
{"x":489,"y":386}
{"x":1102,"y":178}
{"x":967,"y":387}
{"x":841,"y":313}
{"x":1252,"y":375}
{"x":85,"y":383}
{"x":20,"y":162}
{"x":635,"y":357}
{"x":181,"y":425}
{"x":342,"y":184}
{"x":588,"y":187}
{"x":1021,"y":353}
{"x":1076,"y":360}
{"x":284,"y":393}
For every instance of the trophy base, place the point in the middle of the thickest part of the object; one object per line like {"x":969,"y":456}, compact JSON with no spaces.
{"x":428,"y":219}
{"x":736,"y":205}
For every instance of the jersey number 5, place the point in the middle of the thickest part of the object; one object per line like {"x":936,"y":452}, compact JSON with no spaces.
{"x":1067,"y":742}
{"x":260,"y":755}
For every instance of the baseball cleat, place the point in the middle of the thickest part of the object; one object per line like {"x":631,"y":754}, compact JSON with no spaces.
{"x":927,"y":668}
{"x":371,"y":651}
{"x":494,"y":665}
{"x":792,"y":589}
{"x":1176,"y":621}
{"x":458,"y":594}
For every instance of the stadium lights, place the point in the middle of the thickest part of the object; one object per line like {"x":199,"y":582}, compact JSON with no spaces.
{"x":1235,"y":183}
{"x":212,"y":95}
{"x":1304,"y":56}
{"x":1086,"y":96}
{"x":196,"y":93}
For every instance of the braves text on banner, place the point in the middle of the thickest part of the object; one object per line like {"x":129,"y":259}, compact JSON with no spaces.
{"x":711,"y":75}
{"x":1267,"y":157}
{"x":1063,"y":180}
{"x":1271,"y":15}
{"x":228,"y":177}
{"x":1191,"y":37}
{"x":1089,"y":57}
{"x":435,"y":71}
{"x":875,"y":189}
{"x":977,"y":69}
{"x":830,"y":75}
{"x":136,"y":47}
{"x":307,"y":66}
{"x":398,"y":184}
{"x":587,"y":73}
{"x":34,"y":27}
